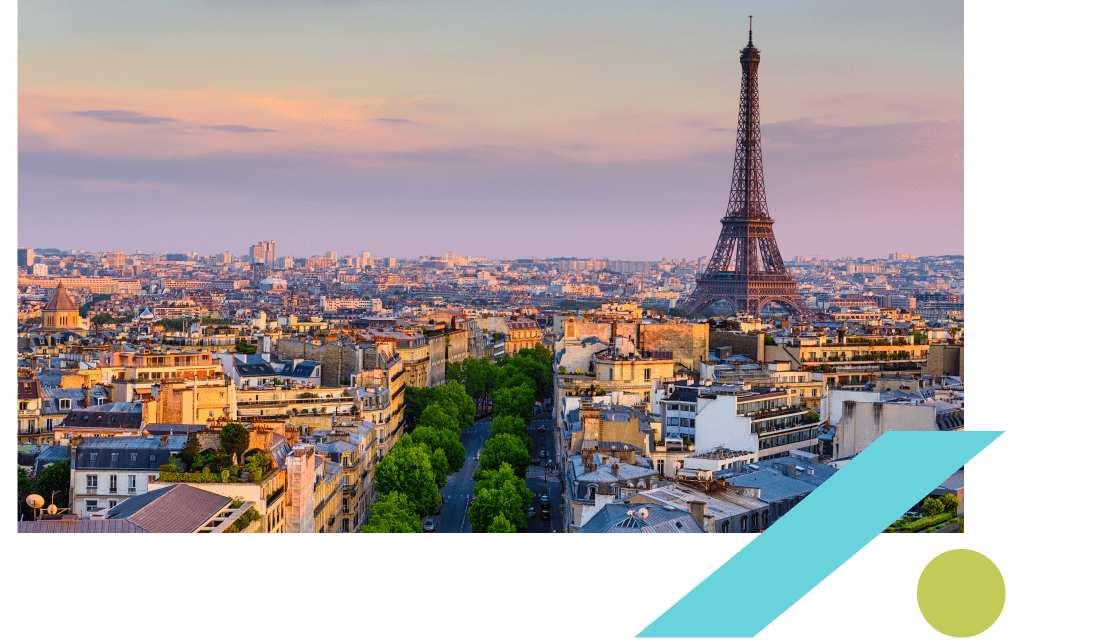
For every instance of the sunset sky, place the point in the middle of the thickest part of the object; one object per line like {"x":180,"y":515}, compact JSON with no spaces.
{"x":502,"y":129}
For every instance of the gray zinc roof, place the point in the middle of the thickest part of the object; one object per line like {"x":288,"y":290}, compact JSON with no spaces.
{"x":131,"y":452}
{"x":774,"y":485}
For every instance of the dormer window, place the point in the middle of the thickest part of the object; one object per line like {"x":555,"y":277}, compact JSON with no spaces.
{"x":64,"y":403}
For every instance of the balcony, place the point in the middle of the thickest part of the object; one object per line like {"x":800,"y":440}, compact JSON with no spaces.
{"x":23,"y":413}
{"x":91,"y":490}
{"x":777,"y":412}
{"x":274,"y":496}
{"x":801,"y":423}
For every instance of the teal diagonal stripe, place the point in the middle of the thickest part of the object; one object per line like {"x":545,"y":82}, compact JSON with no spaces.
{"x":769,"y":575}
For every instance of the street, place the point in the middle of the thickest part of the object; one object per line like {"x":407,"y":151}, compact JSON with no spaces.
{"x":540,"y":479}
{"x":543,"y":480}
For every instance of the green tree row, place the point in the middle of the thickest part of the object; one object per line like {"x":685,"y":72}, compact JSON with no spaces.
{"x":454,"y":406}
{"x":408,"y":479}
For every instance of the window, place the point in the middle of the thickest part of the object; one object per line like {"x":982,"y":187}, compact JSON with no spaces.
{"x":132,"y":484}
{"x":152,"y":459}
{"x":114,"y":483}
{"x":345,"y":506}
{"x":646,"y":373}
{"x":674,"y":421}
{"x":91,"y":483}
{"x":114,"y":457}
{"x":592,"y":492}
{"x":726,"y":527}
{"x":616,"y":488}
{"x":133,"y":457}
{"x":49,"y":423}
{"x":22,"y":406}
{"x":743,"y":524}
{"x":111,"y":504}
{"x":92,"y":458}
{"x":64,"y":403}
{"x":91,"y":505}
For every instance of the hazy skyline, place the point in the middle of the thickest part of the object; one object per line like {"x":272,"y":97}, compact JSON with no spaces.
{"x":496,"y":129}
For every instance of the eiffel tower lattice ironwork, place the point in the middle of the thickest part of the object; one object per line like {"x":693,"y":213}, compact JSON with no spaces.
{"x":746,"y":269}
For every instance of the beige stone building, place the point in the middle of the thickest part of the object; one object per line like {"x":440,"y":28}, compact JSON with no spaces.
{"x":523,"y":333}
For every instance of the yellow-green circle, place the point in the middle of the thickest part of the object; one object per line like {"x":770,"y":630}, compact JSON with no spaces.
{"x":961,"y":593}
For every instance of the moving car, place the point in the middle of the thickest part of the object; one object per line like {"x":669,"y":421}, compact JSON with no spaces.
{"x":545,"y":515}
{"x":429,"y":525}
{"x":542,"y":454}
{"x":544,"y":500}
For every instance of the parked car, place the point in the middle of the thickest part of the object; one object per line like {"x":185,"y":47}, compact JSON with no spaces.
{"x":531,"y":512}
{"x":542,"y":454}
{"x":542,"y":428}
{"x":429,"y":525}
{"x":545,"y":515}
{"x":544,"y":500}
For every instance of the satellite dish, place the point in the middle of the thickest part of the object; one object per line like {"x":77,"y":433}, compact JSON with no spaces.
{"x":52,"y":509}
{"x":35,"y":501}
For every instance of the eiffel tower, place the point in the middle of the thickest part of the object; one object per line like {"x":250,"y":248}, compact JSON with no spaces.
{"x":746,"y":269}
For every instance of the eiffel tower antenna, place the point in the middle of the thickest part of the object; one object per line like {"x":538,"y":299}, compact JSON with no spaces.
{"x":746,"y":269}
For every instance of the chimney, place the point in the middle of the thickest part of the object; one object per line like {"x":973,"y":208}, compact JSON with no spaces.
{"x":789,"y":470}
{"x":87,"y":396}
{"x":615,"y":469}
{"x":164,"y":440}
{"x":698,"y":510}
{"x":737,"y":466}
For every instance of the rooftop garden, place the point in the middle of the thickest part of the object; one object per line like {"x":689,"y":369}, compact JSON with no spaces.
{"x":244,"y":520}
{"x":223,"y":465}
{"x":938,"y":513}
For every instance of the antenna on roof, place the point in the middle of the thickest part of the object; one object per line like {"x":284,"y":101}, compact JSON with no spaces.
{"x":751,"y":31}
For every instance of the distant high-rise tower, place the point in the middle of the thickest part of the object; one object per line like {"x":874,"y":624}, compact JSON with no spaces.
{"x":746,"y":269}
{"x":25,"y":257}
{"x":263,"y":252}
